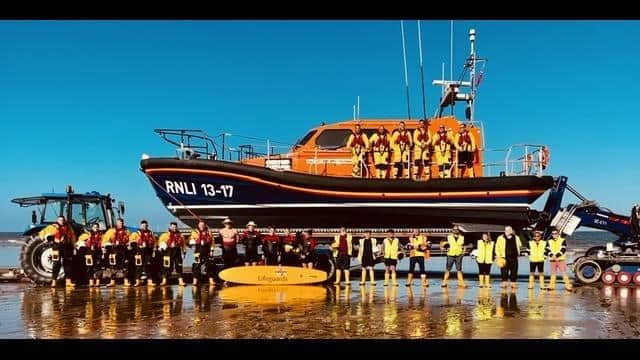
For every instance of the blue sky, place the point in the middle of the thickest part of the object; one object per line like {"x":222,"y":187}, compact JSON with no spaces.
{"x":79,"y":100}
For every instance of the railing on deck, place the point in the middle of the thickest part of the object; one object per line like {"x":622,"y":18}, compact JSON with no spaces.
{"x":519,"y":159}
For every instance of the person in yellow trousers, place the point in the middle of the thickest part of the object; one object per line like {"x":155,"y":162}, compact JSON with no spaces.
{"x":401,"y":144}
{"x":381,"y":148}
{"x":342,"y":249}
{"x":442,"y":150}
{"x":367,"y":257}
{"x":391,"y":248}
{"x":418,"y":248}
{"x":556,"y":249}
{"x":537,"y":250}
{"x":508,"y":247}
{"x":455,"y":253}
{"x":421,"y":153}
{"x":359,"y":145}
{"x":466,"y":147}
{"x":484,"y":258}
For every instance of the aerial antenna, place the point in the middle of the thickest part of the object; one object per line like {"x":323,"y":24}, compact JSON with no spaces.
{"x":354,"y":113}
{"x":358,"y":108}
{"x":451,"y":52}
{"x":406,"y":77}
{"x":424,"y":98}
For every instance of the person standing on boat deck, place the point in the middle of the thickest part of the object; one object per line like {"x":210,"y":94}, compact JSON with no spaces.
{"x":380,"y":145}
{"x":342,"y":249}
{"x":251,"y":240}
{"x":62,"y":239}
{"x":271,"y":247}
{"x":484,"y":258}
{"x":421,"y":153}
{"x":401,"y":150}
{"x":359,"y":145}
{"x":465,"y":147}
{"x":94,"y":255}
{"x":367,"y":257}
{"x":290,"y":249}
{"x":307,"y":249}
{"x":556,"y":249}
{"x":173,"y":251}
{"x":201,"y":241}
{"x":117,"y":240}
{"x":229,"y":237}
{"x":508,"y":249}
{"x":391,"y":248}
{"x":146,"y":243}
{"x":455,"y":253}
{"x":442,"y":149}
{"x":418,"y":247}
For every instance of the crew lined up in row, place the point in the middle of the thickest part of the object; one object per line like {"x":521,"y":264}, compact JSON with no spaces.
{"x":413,"y":154}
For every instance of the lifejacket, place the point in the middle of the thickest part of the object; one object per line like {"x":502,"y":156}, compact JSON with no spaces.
{"x":272,"y":243}
{"x":485,"y":252}
{"x":537,"y":250}
{"x":403,"y":140}
{"x":336,"y":244}
{"x":382,"y":143}
{"x":95,"y":240}
{"x":455,"y":245}
{"x":440,"y":138}
{"x":391,"y":248}
{"x":416,"y":242}
{"x":175,"y":239}
{"x":308,"y":245}
{"x":423,"y":135}
{"x":357,"y":141}
{"x":121,"y":236}
{"x":204,"y":237}
{"x":146,"y":239}
{"x":373,"y":248}
{"x":556,"y":247}
{"x":501,"y":245}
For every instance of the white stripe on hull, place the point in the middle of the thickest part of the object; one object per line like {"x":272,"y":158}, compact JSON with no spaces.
{"x":331,"y":205}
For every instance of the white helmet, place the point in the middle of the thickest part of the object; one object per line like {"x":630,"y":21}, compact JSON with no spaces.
{"x":474,"y":253}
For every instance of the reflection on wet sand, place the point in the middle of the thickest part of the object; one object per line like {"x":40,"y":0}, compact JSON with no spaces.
{"x":325,"y":312}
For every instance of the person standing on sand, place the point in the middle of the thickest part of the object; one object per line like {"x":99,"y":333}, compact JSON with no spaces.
{"x":508,"y":248}
{"x":272,"y":247}
{"x":367,"y":257}
{"x":251,"y":239}
{"x":484,"y":258}
{"x":229,"y":237}
{"x":342,"y":249}
{"x":455,"y":253}
{"x":391,"y":248}
{"x":556,"y":249}
{"x":537,"y":250}
{"x":173,"y":246}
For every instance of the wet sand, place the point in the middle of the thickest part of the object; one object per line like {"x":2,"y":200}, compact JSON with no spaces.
{"x":27,"y":311}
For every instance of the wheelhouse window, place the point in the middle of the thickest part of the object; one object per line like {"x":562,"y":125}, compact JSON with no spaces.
{"x":306,"y":138}
{"x":333,"y":138}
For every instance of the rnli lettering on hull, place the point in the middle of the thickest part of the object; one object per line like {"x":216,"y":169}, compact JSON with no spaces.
{"x":190,"y":188}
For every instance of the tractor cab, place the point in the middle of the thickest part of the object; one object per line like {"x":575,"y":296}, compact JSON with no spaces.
{"x":82,"y":210}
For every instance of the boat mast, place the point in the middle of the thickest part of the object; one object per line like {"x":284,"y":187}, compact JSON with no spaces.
{"x":406,"y":77}
{"x":424,"y":98}
{"x":472,"y":76}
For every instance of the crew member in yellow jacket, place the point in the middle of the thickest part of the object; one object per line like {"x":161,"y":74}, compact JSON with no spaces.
{"x":442,"y":150}
{"x":359,"y":146}
{"x":455,"y":252}
{"x":62,"y":239}
{"x":401,"y":150}
{"x":342,"y":249}
{"x":556,"y":249}
{"x":484,"y":257}
{"x":421,"y":151}
{"x":418,"y":251}
{"x":466,"y":148}
{"x":381,"y":148}
{"x":391,"y":248}
{"x":537,"y":250}
{"x":507,"y":251}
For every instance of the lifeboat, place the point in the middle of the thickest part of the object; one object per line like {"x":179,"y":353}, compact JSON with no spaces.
{"x":316,"y":183}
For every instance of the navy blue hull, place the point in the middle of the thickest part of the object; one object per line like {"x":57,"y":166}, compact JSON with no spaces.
{"x":212,"y":190}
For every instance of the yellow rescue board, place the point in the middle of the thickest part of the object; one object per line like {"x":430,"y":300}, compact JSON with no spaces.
{"x":272,"y":275}
{"x":266,"y":294}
